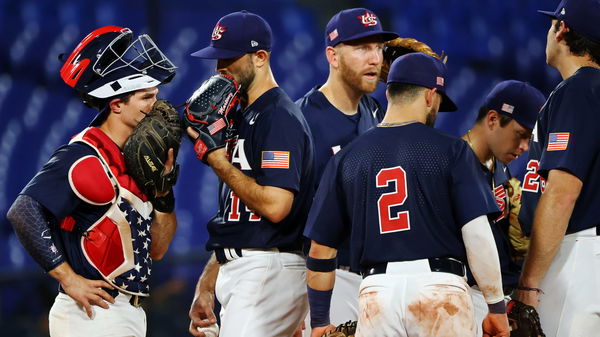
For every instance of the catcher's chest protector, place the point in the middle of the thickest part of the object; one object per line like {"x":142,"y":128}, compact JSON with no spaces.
{"x":108,"y":244}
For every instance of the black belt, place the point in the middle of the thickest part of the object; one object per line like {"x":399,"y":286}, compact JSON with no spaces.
{"x":437,"y":264}
{"x":135,"y":300}
{"x":222,"y":257}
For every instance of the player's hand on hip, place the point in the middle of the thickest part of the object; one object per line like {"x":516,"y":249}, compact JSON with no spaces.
{"x":88,"y":292}
{"x":496,"y":325}
{"x":202,"y":312}
{"x":321,"y":330}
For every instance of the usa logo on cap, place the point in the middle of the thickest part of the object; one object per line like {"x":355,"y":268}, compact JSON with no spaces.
{"x":368,"y":19}
{"x":218,"y":32}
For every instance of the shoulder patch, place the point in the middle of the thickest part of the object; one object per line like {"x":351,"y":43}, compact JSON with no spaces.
{"x":90,"y":182}
{"x":558,"y":141}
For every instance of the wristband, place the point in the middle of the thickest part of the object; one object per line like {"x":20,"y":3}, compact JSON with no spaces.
{"x":321,"y":265}
{"x":164,"y":204}
{"x":319,"y":301}
{"x":497,"y":308}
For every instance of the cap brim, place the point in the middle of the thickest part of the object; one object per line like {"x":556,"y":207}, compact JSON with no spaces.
{"x":211,"y":52}
{"x":546,"y":13}
{"x":387,"y":36}
{"x":447,"y":104}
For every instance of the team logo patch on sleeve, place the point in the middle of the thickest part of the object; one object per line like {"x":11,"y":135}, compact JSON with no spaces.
{"x":558,"y":141}
{"x":275,"y":159}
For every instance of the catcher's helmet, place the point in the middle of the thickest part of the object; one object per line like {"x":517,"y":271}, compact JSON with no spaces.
{"x":109,"y":62}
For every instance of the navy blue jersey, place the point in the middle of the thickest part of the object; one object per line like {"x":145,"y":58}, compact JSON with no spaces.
{"x":498,"y":183}
{"x":274,"y":147}
{"x":332,"y":129}
{"x":401,"y":193}
{"x":50,"y":187}
{"x":566,"y":138}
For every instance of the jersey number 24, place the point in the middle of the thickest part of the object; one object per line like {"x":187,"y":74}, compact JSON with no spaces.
{"x":392,"y":221}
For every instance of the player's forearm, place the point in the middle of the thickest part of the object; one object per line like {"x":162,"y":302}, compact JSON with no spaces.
{"x":270,"y":202}
{"x":63,"y":273}
{"x":208,"y":279}
{"x":31,"y":224}
{"x":320,"y":279}
{"x":550,"y":225}
{"x":483,"y":258}
{"x":163,"y":230}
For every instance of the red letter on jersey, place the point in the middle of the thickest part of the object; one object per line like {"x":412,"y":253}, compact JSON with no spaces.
{"x":400,"y":221}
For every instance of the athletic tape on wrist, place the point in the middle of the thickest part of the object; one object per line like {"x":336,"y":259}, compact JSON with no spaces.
{"x":319,"y":301}
{"x":321,"y":265}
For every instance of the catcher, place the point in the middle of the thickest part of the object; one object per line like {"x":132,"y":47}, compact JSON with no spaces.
{"x":83,"y":218}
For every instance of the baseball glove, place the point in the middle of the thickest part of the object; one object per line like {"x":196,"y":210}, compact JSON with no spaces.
{"x":347,"y":329}
{"x":146,"y":152}
{"x":400,"y":46}
{"x":524,"y":320}
{"x":208,"y":112}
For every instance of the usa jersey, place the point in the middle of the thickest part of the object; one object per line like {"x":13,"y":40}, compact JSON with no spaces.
{"x":331,"y":129}
{"x":401,"y":194}
{"x":566,"y":138}
{"x":274,"y":147}
{"x":498,"y":181}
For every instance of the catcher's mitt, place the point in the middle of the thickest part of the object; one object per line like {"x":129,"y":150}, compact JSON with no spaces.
{"x":146,"y":152}
{"x":208,"y":112}
{"x":524,"y":320}
{"x":347,"y":329}
{"x":400,"y":46}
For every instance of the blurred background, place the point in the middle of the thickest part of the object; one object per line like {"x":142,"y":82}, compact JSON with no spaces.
{"x":487,"y":41}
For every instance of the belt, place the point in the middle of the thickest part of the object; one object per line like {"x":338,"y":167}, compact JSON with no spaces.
{"x":436,"y":264}
{"x":225,"y":255}
{"x":135,"y":300}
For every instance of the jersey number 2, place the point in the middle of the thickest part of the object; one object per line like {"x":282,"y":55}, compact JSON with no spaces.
{"x":399,"y":221}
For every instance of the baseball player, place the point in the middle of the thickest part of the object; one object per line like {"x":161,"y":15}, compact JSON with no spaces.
{"x":266,"y":192}
{"x":501,"y":133}
{"x":354,"y":40}
{"x":413,"y":203}
{"x":561,"y":204}
{"x":82,"y":217}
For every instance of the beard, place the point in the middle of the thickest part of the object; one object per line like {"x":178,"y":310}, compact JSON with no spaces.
{"x":430,"y":118}
{"x":245,"y":79}
{"x":355,"y":79}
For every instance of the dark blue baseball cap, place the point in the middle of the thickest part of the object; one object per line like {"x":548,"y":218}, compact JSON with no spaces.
{"x":352,"y":24}
{"x":423,"y":70}
{"x":581,"y":15}
{"x":517,"y":100}
{"x":237,"y":34}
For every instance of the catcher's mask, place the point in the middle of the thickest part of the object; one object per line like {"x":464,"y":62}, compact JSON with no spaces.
{"x":110,"y":62}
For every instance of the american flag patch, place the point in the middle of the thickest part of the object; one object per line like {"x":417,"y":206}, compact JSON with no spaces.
{"x":439,"y":81}
{"x":216,"y":126}
{"x":508,"y":108}
{"x":333,"y":35}
{"x":558,"y":141}
{"x":275,"y":159}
